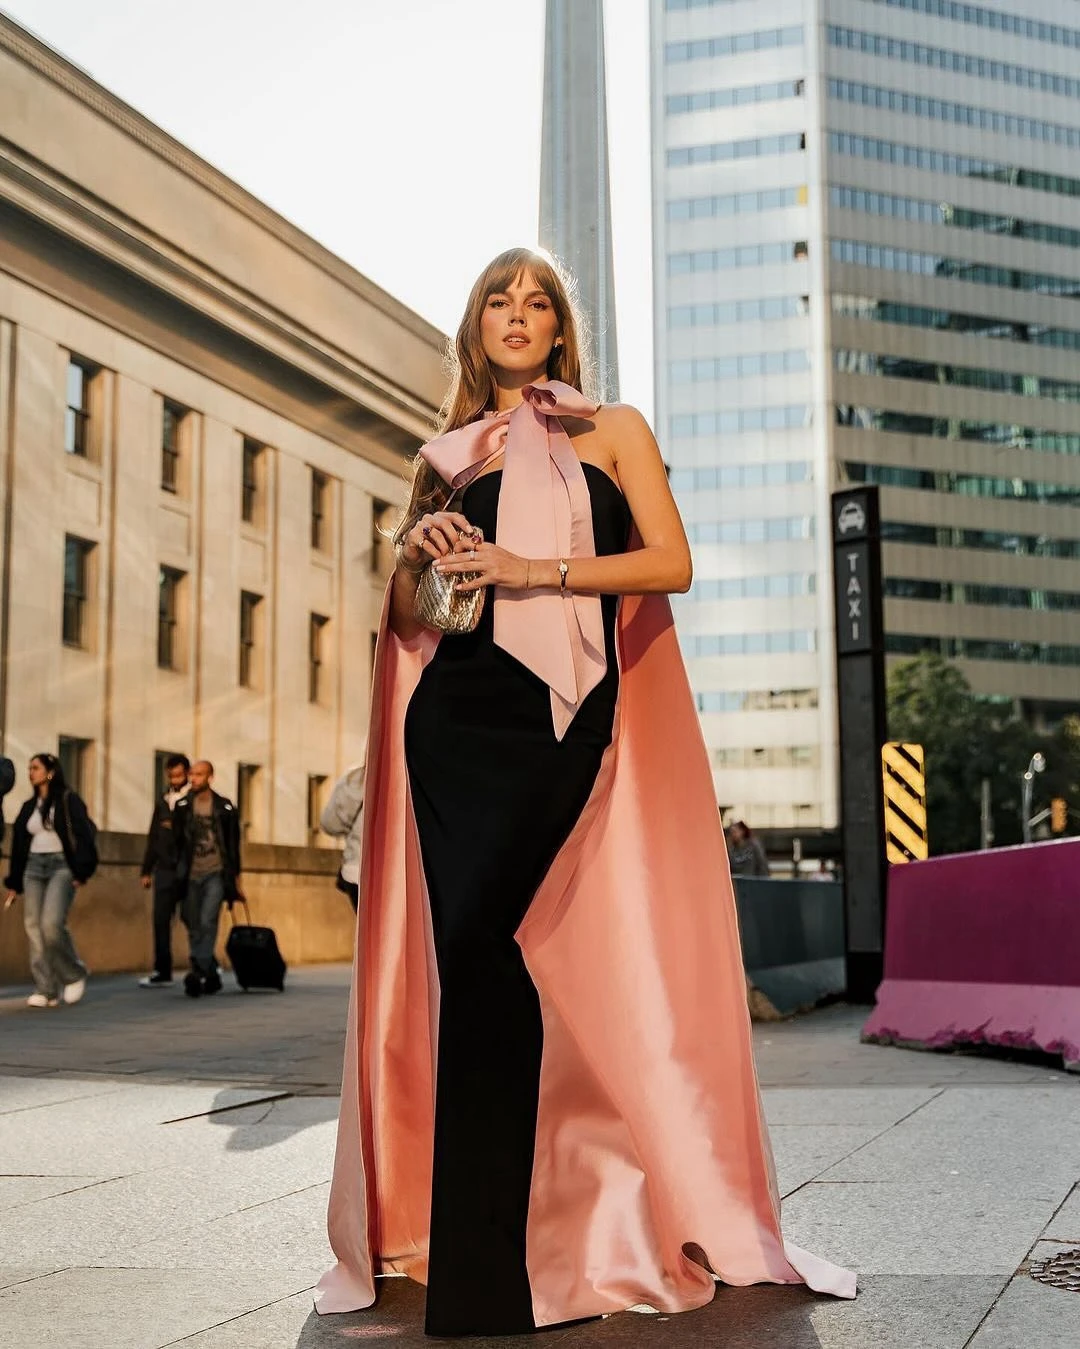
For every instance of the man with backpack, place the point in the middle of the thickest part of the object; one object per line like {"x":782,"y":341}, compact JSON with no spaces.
{"x":207,"y":832}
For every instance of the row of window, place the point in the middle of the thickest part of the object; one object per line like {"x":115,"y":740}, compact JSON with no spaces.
{"x":757,"y":700}
{"x":740,"y":419}
{"x":746,"y":255}
{"x":767,"y":756}
{"x":773,"y":529}
{"x":951,"y":321}
{"x":963,"y":114}
{"x":76,"y":626}
{"x":959,"y":12}
{"x":962,"y":484}
{"x":736,"y":203}
{"x":964,"y":592}
{"x":958,"y":428}
{"x":779,"y":586}
{"x":738,"y":97}
{"x":696,"y":4}
{"x":956,"y":376}
{"x":749,"y":148}
{"x":890,"y":259}
{"x":969,"y":648}
{"x":960,"y":217}
{"x":734,"y":44}
{"x":763,"y":309}
{"x":708,"y":369}
{"x":942,"y":161}
{"x":174,"y":441}
{"x":981,"y":540}
{"x":956,"y":63}
{"x":740,"y":475}
{"x":751,"y":643}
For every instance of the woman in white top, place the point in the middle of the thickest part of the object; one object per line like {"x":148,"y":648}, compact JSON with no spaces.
{"x":53,"y":853}
{"x":343,"y":817}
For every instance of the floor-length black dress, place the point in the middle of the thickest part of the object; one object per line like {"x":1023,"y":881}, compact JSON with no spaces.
{"x":495,"y":797}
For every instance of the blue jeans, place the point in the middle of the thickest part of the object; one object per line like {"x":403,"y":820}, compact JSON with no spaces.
{"x":202,"y":905}
{"x":48,"y":894}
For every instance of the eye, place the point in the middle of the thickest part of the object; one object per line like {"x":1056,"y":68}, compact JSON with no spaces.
{"x":495,"y":302}
{"x":540,"y":304}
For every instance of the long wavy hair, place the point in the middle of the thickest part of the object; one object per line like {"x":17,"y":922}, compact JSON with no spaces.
{"x":472,"y":390}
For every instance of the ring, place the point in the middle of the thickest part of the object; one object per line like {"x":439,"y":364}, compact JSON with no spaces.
{"x":472,"y":553}
{"x":425,"y":530}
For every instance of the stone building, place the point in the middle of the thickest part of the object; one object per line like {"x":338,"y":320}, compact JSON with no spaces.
{"x":203,"y":417}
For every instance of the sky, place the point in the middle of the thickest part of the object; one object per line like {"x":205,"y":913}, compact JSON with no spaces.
{"x":402,"y":134}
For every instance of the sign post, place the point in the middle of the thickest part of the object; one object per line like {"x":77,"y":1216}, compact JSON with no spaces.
{"x":860,"y":683}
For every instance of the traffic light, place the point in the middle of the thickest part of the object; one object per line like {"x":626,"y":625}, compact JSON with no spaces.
{"x":1059,"y":815}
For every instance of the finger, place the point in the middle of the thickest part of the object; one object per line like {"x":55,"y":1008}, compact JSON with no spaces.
{"x":474,"y":583}
{"x":459,"y":521}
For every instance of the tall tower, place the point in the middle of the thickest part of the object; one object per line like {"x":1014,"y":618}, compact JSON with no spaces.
{"x":575,"y":200}
{"x":866,"y":267}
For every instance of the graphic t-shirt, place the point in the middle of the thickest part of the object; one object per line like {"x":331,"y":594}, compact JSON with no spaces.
{"x":206,"y":856}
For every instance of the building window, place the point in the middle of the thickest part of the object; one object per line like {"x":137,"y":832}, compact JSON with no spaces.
{"x":168,"y":651}
{"x":74,"y":756}
{"x":76,"y":590}
{"x":247,"y":783}
{"x":172,"y":418}
{"x":249,"y":608}
{"x":250,"y":482}
{"x":383,"y":519}
{"x":316,"y":787}
{"x":77,"y":413}
{"x":320,"y":490}
{"x":316,"y":629}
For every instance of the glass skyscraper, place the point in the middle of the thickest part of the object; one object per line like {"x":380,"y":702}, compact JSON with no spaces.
{"x":867,"y":269}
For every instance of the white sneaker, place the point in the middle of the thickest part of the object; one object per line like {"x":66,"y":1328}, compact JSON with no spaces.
{"x":73,"y":992}
{"x":40,"y":1000}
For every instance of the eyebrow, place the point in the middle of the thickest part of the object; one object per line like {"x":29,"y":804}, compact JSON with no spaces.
{"x":531,"y":295}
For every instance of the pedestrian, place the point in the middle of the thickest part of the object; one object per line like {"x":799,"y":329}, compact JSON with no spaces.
{"x":343,"y":817}
{"x":745,"y":853}
{"x":549,"y":1108}
{"x":208,"y":867}
{"x":159,"y":869}
{"x":53,"y":855}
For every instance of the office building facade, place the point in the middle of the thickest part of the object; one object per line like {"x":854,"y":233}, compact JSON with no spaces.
{"x":867,"y":259}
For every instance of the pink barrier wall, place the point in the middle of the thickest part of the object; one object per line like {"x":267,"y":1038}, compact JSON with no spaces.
{"x":984,"y":948}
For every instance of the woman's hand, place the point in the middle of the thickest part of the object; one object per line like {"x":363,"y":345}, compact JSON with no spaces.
{"x":10,"y":898}
{"x":434,"y":536}
{"x":494,"y":565}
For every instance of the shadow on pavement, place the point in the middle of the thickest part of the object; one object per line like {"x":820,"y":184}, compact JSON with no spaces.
{"x":267,"y":1123}
{"x":737,"y":1318}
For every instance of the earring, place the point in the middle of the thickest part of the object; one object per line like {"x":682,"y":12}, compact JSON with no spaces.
{"x":558,"y":341}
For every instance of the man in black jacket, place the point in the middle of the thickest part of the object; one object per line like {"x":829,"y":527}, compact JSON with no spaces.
{"x":208,"y":864}
{"x":159,"y":869}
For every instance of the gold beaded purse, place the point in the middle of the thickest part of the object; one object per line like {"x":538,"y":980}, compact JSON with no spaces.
{"x":441,"y":606}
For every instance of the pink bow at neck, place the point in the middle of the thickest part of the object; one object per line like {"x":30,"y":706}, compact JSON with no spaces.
{"x":544,"y":512}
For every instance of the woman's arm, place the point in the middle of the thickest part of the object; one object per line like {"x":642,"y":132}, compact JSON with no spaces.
{"x":661,"y":565}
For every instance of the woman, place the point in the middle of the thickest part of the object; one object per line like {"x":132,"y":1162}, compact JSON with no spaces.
{"x":745,"y":853}
{"x":53,"y":854}
{"x":548,"y":1096}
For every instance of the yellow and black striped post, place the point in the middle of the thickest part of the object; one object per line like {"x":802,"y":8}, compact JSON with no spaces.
{"x":903,"y":772}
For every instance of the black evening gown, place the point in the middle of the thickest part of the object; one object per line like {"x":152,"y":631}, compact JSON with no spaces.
{"x":495,"y":796}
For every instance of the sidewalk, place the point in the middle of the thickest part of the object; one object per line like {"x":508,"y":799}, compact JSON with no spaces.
{"x":164,"y":1168}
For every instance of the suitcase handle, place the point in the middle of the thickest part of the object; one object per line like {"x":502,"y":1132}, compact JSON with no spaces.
{"x":240,"y":899}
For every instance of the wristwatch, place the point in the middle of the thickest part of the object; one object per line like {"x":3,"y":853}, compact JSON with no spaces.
{"x":564,"y":567}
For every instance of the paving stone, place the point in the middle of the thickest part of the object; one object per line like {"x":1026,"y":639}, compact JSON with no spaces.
{"x":16,"y":1190}
{"x":25,"y":1093}
{"x":803,"y":1151}
{"x":131,"y":1308}
{"x":1032,"y":1315}
{"x":13,"y":1274}
{"x":917,"y":1228}
{"x":1065,"y":1224}
{"x":844,"y":1105}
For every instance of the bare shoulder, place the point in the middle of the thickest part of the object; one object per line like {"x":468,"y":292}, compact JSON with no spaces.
{"x":615,"y":419}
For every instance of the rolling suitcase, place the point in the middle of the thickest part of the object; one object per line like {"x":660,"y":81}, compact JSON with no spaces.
{"x":253,"y":954}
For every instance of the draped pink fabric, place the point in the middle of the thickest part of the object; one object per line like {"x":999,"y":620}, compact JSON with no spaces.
{"x":651,"y":1142}
{"x":544,"y":512}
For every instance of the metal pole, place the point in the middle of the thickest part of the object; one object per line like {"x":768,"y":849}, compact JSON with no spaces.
{"x":986,"y":819}
{"x":1029,"y":778}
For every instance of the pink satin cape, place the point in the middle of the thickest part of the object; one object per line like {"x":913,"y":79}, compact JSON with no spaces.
{"x":650,"y":1141}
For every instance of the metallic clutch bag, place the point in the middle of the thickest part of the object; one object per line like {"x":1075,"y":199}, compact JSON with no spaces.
{"x":438,"y":605}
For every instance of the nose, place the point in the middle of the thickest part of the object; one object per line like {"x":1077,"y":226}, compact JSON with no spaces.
{"x":517,"y":318}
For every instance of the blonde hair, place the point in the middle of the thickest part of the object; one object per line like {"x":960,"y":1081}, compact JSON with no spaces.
{"x":472,"y":390}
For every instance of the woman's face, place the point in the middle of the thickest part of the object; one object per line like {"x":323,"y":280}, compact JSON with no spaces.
{"x":738,"y":834}
{"x":38,"y":773}
{"x":518,"y":328}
